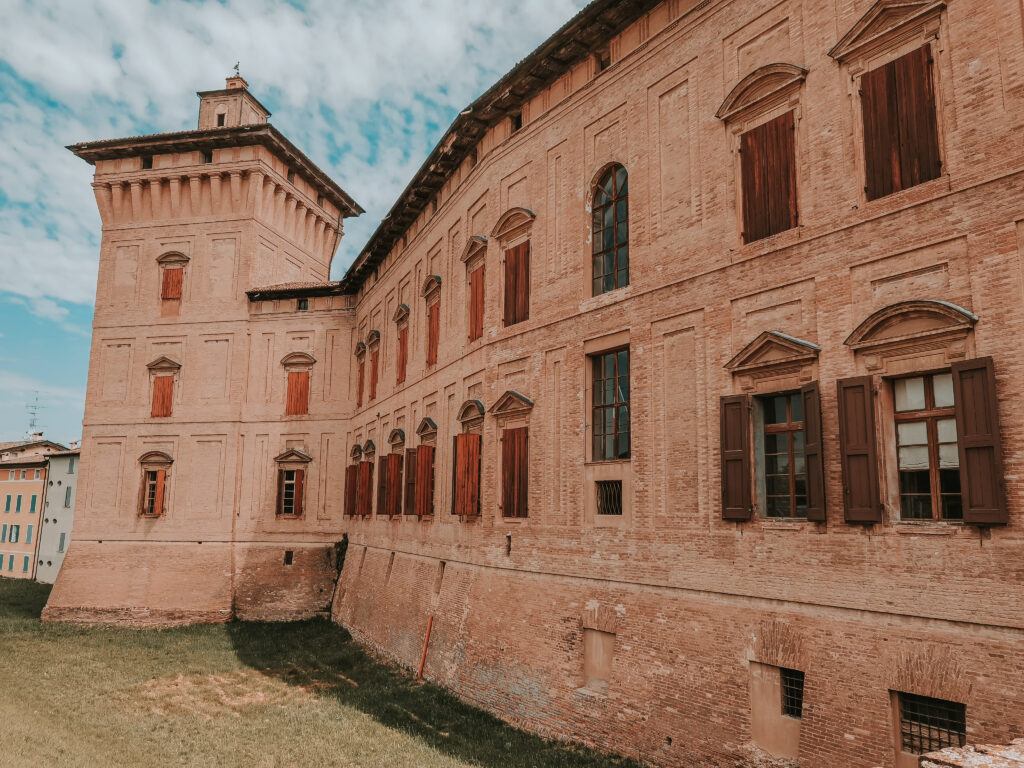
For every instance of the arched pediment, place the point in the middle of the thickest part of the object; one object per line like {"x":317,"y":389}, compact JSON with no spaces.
{"x":172,"y":258}
{"x":883,"y":19}
{"x":369,"y":448}
{"x":360,"y":349}
{"x":773,"y":348}
{"x":511,"y":221}
{"x":401,"y":313}
{"x":397,"y":437}
{"x":297,"y":359}
{"x":293,"y":455}
{"x":164,"y":363}
{"x":477,"y":244}
{"x":372,"y":338}
{"x":156,"y":457}
{"x":356,"y":453}
{"x":911,"y":321}
{"x":511,"y":402}
{"x":431,"y":284}
{"x":427,"y":426}
{"x":760,"y":85}
{"x":471,"y":410}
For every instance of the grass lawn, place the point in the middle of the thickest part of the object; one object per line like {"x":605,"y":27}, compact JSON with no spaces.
{"x":300,"y":694}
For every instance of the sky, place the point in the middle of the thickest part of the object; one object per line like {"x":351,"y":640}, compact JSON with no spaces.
{"x":365,"y":89}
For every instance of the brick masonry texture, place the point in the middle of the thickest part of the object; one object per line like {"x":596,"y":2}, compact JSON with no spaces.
{"x":933,"y":609}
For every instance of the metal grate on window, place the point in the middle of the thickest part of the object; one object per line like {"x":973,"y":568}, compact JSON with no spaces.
{"x":609,"y":497}
{"x":792,"y":692}
{"x":928,"y":724}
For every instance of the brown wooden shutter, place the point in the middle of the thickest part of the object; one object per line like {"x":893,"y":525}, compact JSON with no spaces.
{"x":359,"y":391}
{"x":813,"y":456}
{"x":297,"y":401}
{"x":425,"y":480}
{"x":523,"y":283}
{"x":170,"y":288}
{"x":351,"y":485}
{"x":280,"y":491}
{"x":458,"y":487}
{"x":978,"y":441}
{"x":858,"y":450}
{"x":510,"y":287}
{"x":382,"y":485}
{"x":394,"y":492}
{"x":409,"y":504}
{"x":163,"y":396}
{"x":735,"y":452}
{"x":467,"y":475}
{"x":433,"y":331}
{"x":403,"y":354}
{"x":158,"y":499}
{"x":476,"y":303}
{"x":514,"y":472}
{"x":374,"y":366}
{"x":365,"y":497}
{"x":300,"y":475}
{"x":881,"y":147}
{"x":768,"y":169}
{"x":918,"y":133}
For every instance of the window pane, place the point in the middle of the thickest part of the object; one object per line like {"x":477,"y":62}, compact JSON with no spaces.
{"x":775,"y":410}
{"x":624,"y":362}
{"x":600,"y":197}
{"x":623,"y":418}
{"x":776,"y":443}
{"x":910,"y":394}
{"x":609,"y":366}
{"x":776,"y":463}
{"x":912,"y":433}
{"x":949,"y":457}
{"x":915,"y":482}
{"x":915,"y":457}
{"x":777,"y":506}
{"x":798,"y":442}
{"x":620,"y":210}
{"x":943,"y":389}
{"x":622,"y":233}
{"x":946,"y":430}
{"x":609,"y":282}
{"x":798,"y":464}
{"x":620,"y":179}
{"x":623,"y":446}
{"x":916,"y":507}
{"x":623,"y":393}
{"x":608,"y":241}
{"x":623,"y":257}
{"x":607,"y":216}
{"x":777,"y":485}
{"x":796,"y":404}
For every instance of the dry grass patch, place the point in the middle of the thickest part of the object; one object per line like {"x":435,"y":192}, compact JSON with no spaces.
{"x":210,"y":697}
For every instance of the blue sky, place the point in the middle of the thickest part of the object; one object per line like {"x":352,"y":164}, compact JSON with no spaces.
{"x":364,"y":88}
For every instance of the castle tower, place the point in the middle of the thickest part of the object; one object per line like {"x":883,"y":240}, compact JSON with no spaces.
{"x":191,"y":221}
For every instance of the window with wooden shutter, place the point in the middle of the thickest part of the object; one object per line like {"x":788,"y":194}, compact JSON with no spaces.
{"x":858,"y":450}
{"x":374,"y":367}
{"x":735,"y":457}
{"x":393,"y":485}
{"x":382,"y":485}
{"x":978,"y":440}
{"x":515,"y":471}
{"x":466,"y":475}
{"x":403,"y":354}
{"x":351,"y":488}
{"x":476,"y":303}
{"x":297,"y":400}
{"x":813,"y":454}
{"x":901,"y":136}
{"x":409,"y":497}
{"x":782,"y":465}
{"x":289,"y":491}
{"x":433,"y":331}
{"x":768,"y":169}
{"x":359,"y":390}
{"x":170,"y":288}
{"x":425,"y":480}
{"x":517,"y":284}
{"x":153,"y":492}
{"x":163,"y":396}
{"x":364,"y":500}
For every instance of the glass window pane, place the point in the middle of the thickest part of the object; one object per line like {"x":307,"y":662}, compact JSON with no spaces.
{"x":775,"y":443}
{"x":622,"y":233}
{"x":796,"y":404}
{"x":909,"y":394}
{"x":912,"y":433}
{"x":623,"y":362}
{"x":949,"y":457}
{"x":600,"y":197}
{"x":620,"y":210}
{"x":914,"y":457}
{"x":620,"y":179}
{"x":624,"y":445}
{"x":915,"y":482}
{"x":623,"y":256}
{"x":777,"y":506}
{"x":623,"y":418}
{"x":606,"y":184}
{"x":800,"y":484}
{"x":942,"y":384}
{"x":609,"y":366}
{"x":609,"y":282}
{"x":608,"y":216}
{"x":916,"y":507}
{"x":775,"y":410}
{"x":801,"y":506}
{"x":952,"y":508}
{"x":799,"y":464}
{"x":622,"y":276}
{"x":623,"y":393}
{"x":949,"y":481}
{"x":798,"y":442}
{"x":946,"y":430}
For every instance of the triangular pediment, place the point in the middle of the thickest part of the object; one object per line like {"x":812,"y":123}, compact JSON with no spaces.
{"x":401,"y":313}
{"x":356,"y":453}
{"x":164,"y":363}
{"x":477,"y":244}
{"x":510,"y":403}
{"x":759,"y":86}
{"x":369,"y":448}
{"x":773,"y":348}
{"x":291,"y":455}
{"x":372,"y":338}
{"x":427,"y":426}
{"x":884,"y":19}
{"x":511,"y":221}
{"x":911,"y":320}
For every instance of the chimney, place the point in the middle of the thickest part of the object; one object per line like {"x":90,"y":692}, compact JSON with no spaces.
{"x":36,"y":436}
{"x":75,"y":444}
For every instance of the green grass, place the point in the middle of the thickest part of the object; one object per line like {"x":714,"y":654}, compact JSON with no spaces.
{"x":298,"y":694}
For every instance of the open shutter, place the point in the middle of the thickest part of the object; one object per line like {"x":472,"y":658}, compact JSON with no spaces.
{"x":514,"y":471}
{"x":365,"y":495}
{"x":280,"y":492}
{"x":351,"y":484}
{"x":918,"y":133}
{"x":170,"y":288}
{"x":297,"y":400}
{"x":425,"y":480}
{"x":858,"y":450}
{"x":300,"y":475}
{"x":735,"y":450}
{"x":768,"y":169}
{"x":750,"y":178}
{"x":403,"y":354}
{"x":510,"y":286}
{"x":158,"y":500}
{"x":977,"y":433}
{"x":163,"y":396}
{"x":409,"y":503}
{"x":433,"y":331}
{"x":374,"y":368}
{"x":457,"y":489}
{"x":359,"y":391}
{"x":394,"y":493}
{"x":473,"y":474}
{"x":523,"y":283}
{"x":881,"y":143}
{"x":382,"y":485}
{"x":813,"y":457}
{"x":476,"y":303}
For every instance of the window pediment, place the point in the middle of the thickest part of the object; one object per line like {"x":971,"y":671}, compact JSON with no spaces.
{"x":293,"y":455}
{"x":360,"y":349}
{"x":427,"y":426}
{"x":430,"y":286}
{"x":885,"y":20}
{"x":356,"y":453}
{"x":762,"y":86}
{"x":156,"y":459}
{"x":164,"y":364}
{"x":772,"y":349}
{"x":477,"y":246}
{"x":369,"y":449}
{"x":372,"y":339}
{"x":512,"y":403}
{"x":172,"y":259}
{"x":298,"y":360}
{"x":397,"y":438}
{"x":471,"y":411}
{"x":401,"y":313}
{"x":912,"y":322}
{"x":512,"y":221}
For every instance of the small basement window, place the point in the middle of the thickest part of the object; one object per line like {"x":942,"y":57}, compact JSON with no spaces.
{"x":602,"y":60}
{"x":792,"y":692}
{"x":289,"y":557}
{"x":928,"y":725}
{"x":609,"y":497}
{"x":291,"y":176}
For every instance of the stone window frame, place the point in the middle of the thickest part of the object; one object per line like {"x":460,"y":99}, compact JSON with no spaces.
{"x":373,"y":346}
{"x":512,"y":410}
{"x":299,"y":362}
{"x":430,"y":291}
{"x":474,"y":256}
{"x":401,"y":321}
{"x":289,"y":460}
{"x":154,"y":461}
{"x":167,"y":261}
{"x":874,"y":41}
{"x":165,"y":366}
{"x":588,"y":266}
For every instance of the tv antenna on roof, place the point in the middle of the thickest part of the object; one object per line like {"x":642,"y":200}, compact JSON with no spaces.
{"x":33,"y":409}
{"x":237,"y":73}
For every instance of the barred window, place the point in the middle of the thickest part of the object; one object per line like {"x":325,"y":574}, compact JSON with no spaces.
{"x":928,"y":724}
{"x":792,"y":692}
{"x":611,"y":405}
{"x":609,"y":497}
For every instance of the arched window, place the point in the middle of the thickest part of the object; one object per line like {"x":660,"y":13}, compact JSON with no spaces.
{"x":611,"y":230}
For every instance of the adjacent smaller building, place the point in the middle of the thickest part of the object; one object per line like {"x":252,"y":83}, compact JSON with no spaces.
{"x":58,"y":514}
{"x":22,"y":491}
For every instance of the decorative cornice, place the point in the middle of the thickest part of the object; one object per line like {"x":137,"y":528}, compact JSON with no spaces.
{"x":760,"y":86}
{"x":476,"y":244}
{"x":510,"y":403}
{"x":172,"y":257}
{"x":430,"y":285}
{"x":401,"y":313}
{"x":297,"y":359}
{"x":511,"y":221}
{"x":771,"y":349}
{"x":164,"y":363}
{"x":911,"y":322}
{"x":427,"y":426}
{"x":883,"y":20}
{"x":471,"y":410}
{"x":293,"y":455}
{"x":156,"y":457}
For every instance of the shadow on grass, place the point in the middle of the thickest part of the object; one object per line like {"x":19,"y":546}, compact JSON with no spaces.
{"x":322,"y":657}
{"x":23,"y":599}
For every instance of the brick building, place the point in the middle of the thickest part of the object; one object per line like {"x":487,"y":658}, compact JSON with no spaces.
{"x":679,"y":390}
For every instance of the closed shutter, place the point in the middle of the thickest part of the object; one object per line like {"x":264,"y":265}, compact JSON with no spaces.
{"x":433,"y":331}
{"x":881,"y":146}
{"x":351,"y":486}
{"x":735,"y":453}
{"x":170,"y":288}
{"x":297,"y":401}
{"x":300,"y":475}
{"x":476,"y":304}
{"x":768,"y":168}
{"x":374,"y":366}
{"x":425,"y":480}
{"x":813,"y":457}
{"x":359,"y":391}
{"x":409,"y":504}
{"x":403,"y":354}
{"x":394,"y":492}
{"x":280,"y":492}
{"x":858,"y":450}
{"x":382,"y":485}
{"x":365,"y":498}
{"x":978,"y":442}
{"x":523,"y":283}
{"x":467,"y":475}
{"x":158,"y":499}
{"x":918,"y":135}
{"x":514,"y":472}
{"x":510,"y":287}
{"x":163,"y":396}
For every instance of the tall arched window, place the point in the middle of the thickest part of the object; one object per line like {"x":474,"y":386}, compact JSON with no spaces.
{"x":611,"y":231}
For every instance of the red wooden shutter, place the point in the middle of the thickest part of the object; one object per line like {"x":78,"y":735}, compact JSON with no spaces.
{"x":458,"y":487}
{"x":300,"y":475}
{"x":393,"y":500}
{"x":813,"y":457}
{"x":514,"y":472}
{"x":297,"y":401}
{"x":280,"y":492}
{"x":858,"y":450}
{"x":768,"y":170}
{"x":409,"y":503}
{"x":476,"y":303}
{"x":359,"y":391}
{"x":425,"y":480}
{"x":403,"y":354}
{"x":978,"y":441}
{"x":163,"y":396}
{"x":467,"y":475}
{"x":365,"y":497}
{"x":510,"y":287}
{"x":374,"y":365}
{"x":735,"y":452}
{"x":170,"y":288}
{"x":881,"y":145}
{"x":158,"y":500}
{"x":433,"y":331}
{"x":918,"y":133}
{"x":351,"y":484}
{"x":382,"y":485}
{"x":523,"y":283}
